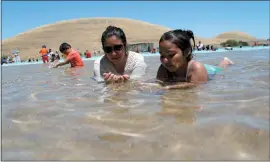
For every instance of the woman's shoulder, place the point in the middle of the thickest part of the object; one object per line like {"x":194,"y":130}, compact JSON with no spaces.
{"x":100,"y":60}
{"x":134,"y":60}
{"x":135,"y":56}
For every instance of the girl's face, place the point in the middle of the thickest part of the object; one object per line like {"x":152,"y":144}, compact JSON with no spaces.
{"x":114,"y":49}
{"x":171,"y":56}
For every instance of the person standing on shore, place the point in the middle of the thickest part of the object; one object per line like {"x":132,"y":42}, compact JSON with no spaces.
{"x":44,"y":54}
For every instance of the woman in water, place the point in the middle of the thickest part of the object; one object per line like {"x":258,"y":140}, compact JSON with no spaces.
{"x":118,"y":64}
{"x":177,"y":64}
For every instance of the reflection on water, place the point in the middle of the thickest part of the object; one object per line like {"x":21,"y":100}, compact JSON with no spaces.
{"x":62,"y":114}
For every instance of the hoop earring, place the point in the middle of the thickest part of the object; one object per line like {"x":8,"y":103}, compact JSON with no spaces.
{"x":126,"y":50}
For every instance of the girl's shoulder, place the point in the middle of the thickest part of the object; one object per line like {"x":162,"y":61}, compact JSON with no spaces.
{"x":195,"y":65}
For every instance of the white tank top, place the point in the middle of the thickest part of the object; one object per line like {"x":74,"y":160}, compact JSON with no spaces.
{"x":135,"y":66}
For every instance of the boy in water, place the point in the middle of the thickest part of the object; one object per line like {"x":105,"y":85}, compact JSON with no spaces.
{"x":72,"y":56}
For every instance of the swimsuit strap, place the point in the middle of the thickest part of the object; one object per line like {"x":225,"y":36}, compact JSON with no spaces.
{"x":189,"y":66}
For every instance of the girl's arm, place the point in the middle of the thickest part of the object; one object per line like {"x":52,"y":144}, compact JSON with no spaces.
{"x":197,"y":75}
{"x":184,"y":85}
{"x":161,"y":74}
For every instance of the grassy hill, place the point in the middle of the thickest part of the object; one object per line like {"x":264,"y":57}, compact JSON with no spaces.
{"x":86,"y":33}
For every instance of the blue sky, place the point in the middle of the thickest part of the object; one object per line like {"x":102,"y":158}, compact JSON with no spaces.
{"x":206,"y":19}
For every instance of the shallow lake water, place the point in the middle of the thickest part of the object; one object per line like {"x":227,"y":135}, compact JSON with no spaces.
{"x":62,"y":114}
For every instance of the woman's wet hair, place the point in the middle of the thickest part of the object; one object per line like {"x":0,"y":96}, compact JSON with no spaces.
{"x":114,"y":31}
{"x":181,"y":38}
{"x":64,"y":46}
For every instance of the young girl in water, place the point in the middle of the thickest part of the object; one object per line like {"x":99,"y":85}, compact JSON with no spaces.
{"x":177,"y":64}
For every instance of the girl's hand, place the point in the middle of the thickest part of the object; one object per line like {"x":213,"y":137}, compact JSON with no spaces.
{"x":166,"y":88}
{"x":179,"y":86}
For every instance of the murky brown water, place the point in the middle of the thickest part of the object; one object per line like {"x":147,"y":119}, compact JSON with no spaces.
{"x":62,"y":114}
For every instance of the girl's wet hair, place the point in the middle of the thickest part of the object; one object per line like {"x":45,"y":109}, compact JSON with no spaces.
{"x":181,"y":38}
{"x":64,"y":46}
{"x":114,"y":31}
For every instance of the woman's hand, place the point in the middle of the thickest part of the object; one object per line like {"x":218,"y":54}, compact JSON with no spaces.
{"x":109,"y":77}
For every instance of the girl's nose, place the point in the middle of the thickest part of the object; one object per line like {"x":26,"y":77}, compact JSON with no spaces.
{"x":165,"y":60}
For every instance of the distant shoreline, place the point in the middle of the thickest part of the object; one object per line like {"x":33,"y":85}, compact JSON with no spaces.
{"x":147,"y":54}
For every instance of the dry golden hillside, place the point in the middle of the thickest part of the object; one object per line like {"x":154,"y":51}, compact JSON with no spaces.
{"x":236,"y":35}
{"x":85,"y":34}
{"x":80,"y":33}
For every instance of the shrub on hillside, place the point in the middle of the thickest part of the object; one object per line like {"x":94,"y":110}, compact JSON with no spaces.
{"x":233,"y":43}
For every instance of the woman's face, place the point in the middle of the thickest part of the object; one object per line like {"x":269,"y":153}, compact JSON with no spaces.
{"x":114,"y":49}
{"x":171,"y":56}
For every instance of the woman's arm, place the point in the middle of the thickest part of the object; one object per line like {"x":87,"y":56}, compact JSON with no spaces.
{"x":197,"y":75}
{"x":97,"y":75}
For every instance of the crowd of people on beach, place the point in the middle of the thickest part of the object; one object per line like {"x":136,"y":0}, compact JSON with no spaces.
{"x":46,"y":55}
{"x":202,"y":47}
{"x":50,"y":56}
{"x":14,"y":57}
{"x":198,"y":47}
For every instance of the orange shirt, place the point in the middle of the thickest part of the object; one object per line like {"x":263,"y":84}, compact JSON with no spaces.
{"x":43,"y":51}
{"x":75,"y":59}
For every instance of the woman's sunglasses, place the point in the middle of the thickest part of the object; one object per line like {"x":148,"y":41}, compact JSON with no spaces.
{"x":115,"y":48}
